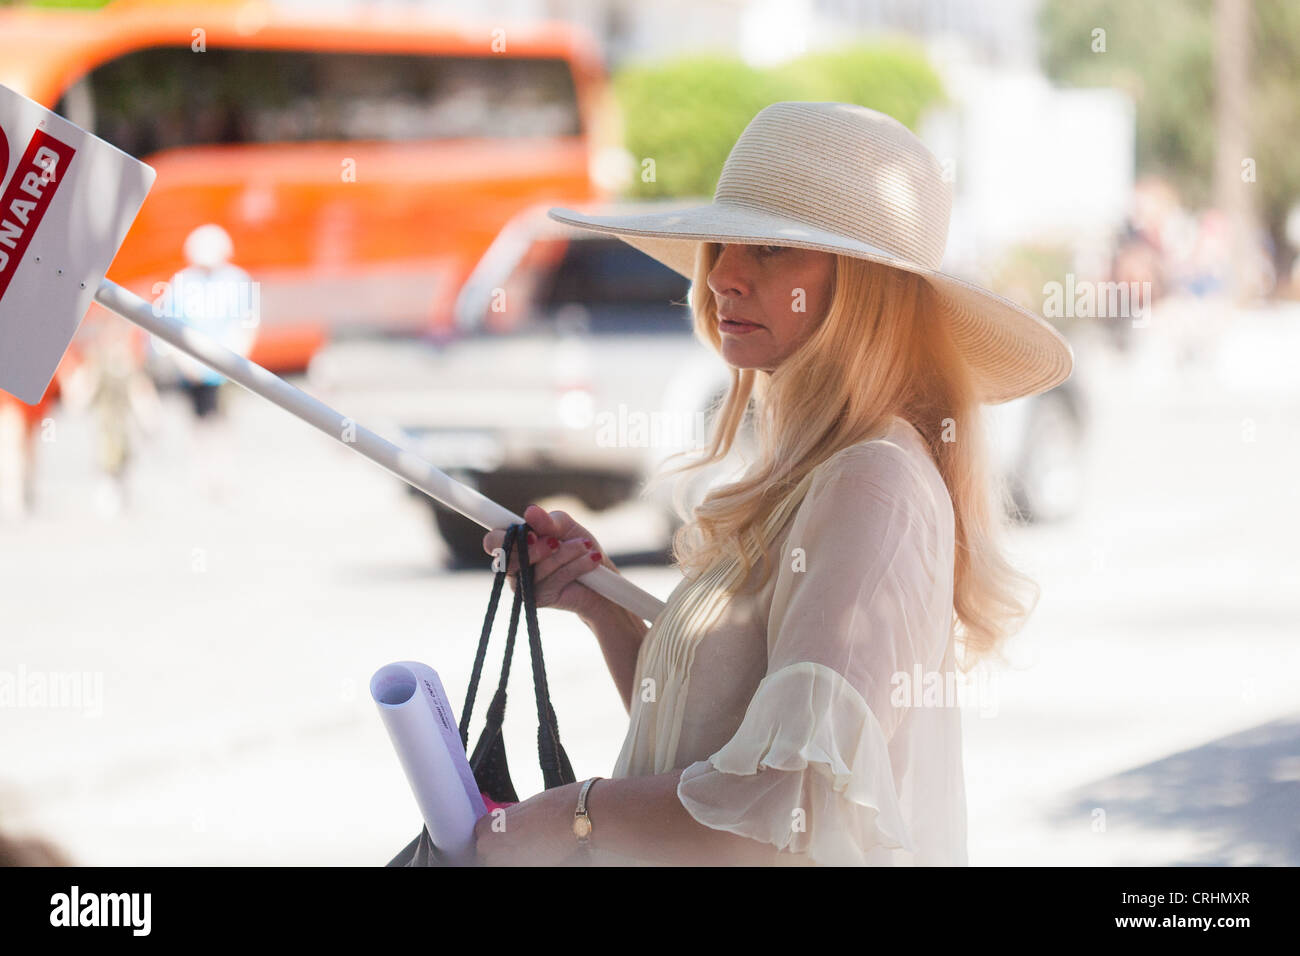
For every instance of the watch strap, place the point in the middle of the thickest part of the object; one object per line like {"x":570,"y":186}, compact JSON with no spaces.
{"x":582,"y":825}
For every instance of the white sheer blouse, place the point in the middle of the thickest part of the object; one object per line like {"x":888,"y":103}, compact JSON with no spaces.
{"x":796,"y":715}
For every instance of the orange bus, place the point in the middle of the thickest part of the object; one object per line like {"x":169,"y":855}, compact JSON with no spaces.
{"x":360,"y":163}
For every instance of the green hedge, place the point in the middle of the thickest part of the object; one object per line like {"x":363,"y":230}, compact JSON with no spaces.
{"x":686,"y":114}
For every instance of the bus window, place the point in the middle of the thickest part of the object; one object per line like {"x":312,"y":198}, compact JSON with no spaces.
{"x":161,"y":98}
{"x":445,"y":144}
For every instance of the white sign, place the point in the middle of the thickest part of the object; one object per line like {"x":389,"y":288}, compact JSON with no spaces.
{"x":67,"y":200}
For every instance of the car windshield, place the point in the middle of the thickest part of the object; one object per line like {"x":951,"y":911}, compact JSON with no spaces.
{"x":599,"y":286}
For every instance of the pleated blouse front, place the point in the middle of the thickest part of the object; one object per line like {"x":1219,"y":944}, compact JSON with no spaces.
{"x":796,"y":714}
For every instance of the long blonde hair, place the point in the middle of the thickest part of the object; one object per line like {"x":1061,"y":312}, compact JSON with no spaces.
{"x":881,"y":350}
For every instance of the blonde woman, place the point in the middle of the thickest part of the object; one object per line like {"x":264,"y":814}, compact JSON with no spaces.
{"x":793,"y":703}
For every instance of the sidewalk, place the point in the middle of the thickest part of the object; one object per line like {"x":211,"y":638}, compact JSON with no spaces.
{"x":236,"y":637}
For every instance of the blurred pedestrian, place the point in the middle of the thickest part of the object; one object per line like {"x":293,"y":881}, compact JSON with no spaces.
{"x":18,"y":443}
{"x":1136,"y":265}
{"x":112,"y":384}
{"x":218,"y":298}
{"x":16,"y":455}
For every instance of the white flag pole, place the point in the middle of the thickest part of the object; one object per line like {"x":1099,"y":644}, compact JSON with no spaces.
{"x":403,"y":463}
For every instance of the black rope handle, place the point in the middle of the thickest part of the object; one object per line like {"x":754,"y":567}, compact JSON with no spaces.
{"x":515,"y":532}
{"x":556,"y":770}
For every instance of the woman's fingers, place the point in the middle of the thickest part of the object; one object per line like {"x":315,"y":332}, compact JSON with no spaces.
{"x":494,"y":541}
{"x":557,"y":524}
{"x":558,"y":542}
{"x":552,"y":554}
{"x":543,"y":524}
{"x":538,"y":550}
{"x":542,"y":521}
{"x":560,"y":557}
{"x":570,"y":561}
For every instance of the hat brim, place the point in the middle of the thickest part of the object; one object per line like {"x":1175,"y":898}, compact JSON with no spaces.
{"x":1012,"y":352}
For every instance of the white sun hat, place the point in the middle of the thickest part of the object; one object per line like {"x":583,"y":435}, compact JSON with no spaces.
{"x":846,"y":179}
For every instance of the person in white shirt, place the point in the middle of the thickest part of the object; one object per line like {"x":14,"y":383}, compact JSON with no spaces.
{"x":219,"y":299}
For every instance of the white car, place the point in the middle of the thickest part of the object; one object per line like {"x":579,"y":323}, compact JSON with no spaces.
{"x":573,"y":370}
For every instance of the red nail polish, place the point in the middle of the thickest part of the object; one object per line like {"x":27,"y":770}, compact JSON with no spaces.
{"x":586,"y":542}
{"x":553,"y":542}
{"x":595,"y":555}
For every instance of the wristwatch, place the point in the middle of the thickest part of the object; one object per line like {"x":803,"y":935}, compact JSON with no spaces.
{"x":581,"y":818}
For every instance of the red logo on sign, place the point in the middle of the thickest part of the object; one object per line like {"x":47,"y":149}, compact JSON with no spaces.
{"x":4,"y":155}
{"x":31,"y":188}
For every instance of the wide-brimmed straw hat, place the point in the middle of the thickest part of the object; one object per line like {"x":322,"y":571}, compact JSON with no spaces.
{"x":846,"y":179}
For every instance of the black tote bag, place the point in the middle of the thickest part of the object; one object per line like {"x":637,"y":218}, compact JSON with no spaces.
{"x":488,"y":760}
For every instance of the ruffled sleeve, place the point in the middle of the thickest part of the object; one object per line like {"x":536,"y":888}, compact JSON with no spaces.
{"x":861,"y":595}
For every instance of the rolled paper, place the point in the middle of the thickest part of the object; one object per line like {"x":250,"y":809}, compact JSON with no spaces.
{"x":424,"y":733}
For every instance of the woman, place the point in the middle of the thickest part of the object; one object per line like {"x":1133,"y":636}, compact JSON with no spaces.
{"x":793,"y":703}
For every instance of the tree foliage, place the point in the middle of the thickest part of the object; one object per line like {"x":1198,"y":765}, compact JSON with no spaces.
{"x":686,"y":114}
{"x":1162,"y":52}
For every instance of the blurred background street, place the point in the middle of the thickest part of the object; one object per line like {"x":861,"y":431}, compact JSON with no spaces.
{"x":195,"y":588}
{"x":236,"y":637}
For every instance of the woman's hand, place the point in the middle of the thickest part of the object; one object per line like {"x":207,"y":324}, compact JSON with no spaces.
{"x":536,"y":832}
{"x":560,"y":552}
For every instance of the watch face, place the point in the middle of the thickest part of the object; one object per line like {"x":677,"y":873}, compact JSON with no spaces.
{"x":582,"y":826}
